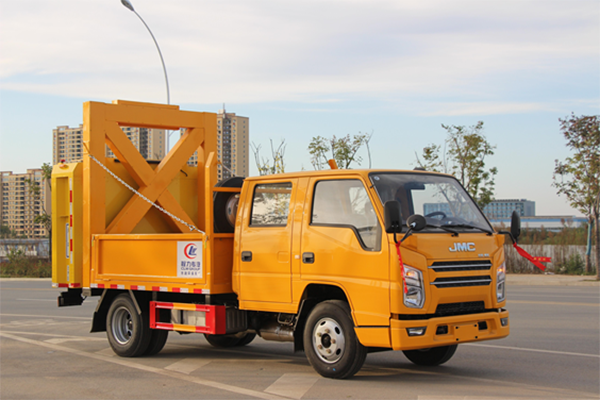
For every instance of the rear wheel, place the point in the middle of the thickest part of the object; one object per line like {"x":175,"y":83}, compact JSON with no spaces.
{"x":128,"y":332}
{"x":431,"y":357}
{"x":158,"y":339}
{"x":330,"y":342}
{"x":224,"y":341}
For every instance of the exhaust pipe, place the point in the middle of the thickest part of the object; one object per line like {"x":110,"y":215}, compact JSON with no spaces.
{"x":272,"y":330}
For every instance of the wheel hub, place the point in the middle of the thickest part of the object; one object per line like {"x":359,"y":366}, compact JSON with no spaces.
{"x":122,"y":326}
{"x":328,"y":340}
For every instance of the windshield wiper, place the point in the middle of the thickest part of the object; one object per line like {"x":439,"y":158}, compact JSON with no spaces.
{"x":467,"y":226}
{"x":445,"y":228}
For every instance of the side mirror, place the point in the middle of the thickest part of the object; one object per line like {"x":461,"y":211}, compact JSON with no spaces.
{"x":416,"y":222}
{"x":392,"y":216}
{"x":515,"y":225}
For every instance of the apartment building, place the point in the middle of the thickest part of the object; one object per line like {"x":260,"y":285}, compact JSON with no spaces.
{"x":233,"y":144}
{"x":67,"y":143}
{"x":21,"y":203}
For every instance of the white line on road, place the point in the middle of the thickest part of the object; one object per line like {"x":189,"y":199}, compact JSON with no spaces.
{"x":147,"y":368}
{"x":188,"y":365}
{"x":43,"y":316}
{"x":53,"y":300}
{"x":566,"y":353}
{"x":293,"y":385}
{"x":471,"y":398}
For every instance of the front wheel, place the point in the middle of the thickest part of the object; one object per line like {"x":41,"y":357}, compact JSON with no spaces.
{"x":128,"y":332}
{"x":330,"y":342}
{"x":431,"y":357}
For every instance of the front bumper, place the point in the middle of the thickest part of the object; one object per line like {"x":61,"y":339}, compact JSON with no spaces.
{"x":460,"y":329}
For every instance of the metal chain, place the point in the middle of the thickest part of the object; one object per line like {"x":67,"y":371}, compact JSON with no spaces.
{"x":159,"y":208}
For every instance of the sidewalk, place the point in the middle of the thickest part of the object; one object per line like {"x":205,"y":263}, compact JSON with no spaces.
{"x":554,"y":280}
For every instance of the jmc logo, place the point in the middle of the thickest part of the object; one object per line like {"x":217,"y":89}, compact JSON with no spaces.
{"x":463,"y":247}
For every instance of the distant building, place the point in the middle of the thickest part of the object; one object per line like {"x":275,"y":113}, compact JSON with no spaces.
{"x":233,"y":144}
{"x":500,"y":209}
{"x":429,"y":208}
{"x":549,"y":222}
{"x":151,"y":143}
{"x":67,"y":143}
{"x":20,"y":205}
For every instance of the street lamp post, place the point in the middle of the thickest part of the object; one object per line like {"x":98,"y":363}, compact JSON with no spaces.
{"x":128,"y":4}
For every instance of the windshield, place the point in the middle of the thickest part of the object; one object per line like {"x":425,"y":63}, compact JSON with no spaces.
{"x":441,"y":199}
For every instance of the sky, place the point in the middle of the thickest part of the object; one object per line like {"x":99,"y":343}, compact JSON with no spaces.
{"x":297,"y":70}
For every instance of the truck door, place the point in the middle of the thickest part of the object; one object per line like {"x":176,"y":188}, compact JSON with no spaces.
{"x":265,"y":268}
{"x":341,"y":245}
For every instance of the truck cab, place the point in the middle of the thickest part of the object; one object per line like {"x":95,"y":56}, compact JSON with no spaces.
{"x":305,"y":238}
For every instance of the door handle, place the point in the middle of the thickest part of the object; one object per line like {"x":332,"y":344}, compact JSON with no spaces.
{"x":308,"y":258}
{"x":246,"y":256}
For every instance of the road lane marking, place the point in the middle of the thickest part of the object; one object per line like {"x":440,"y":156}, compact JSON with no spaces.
{"x":58,"y":335}
{"x":66,"y":339}
{"x":44,"y":316}
{"x":37,"y":322}
{"x":293,"y":385}
{"x":147,"y":368}
{"x":108,"y":352}
{"x":490,"y":398}
{"x":554,"y":303}
{"x":188,"y":365}
{"x":565,"y":353}
{"x":52,"y":300}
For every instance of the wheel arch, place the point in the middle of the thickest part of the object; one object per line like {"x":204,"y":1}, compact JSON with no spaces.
{"x":314,"y":294}
{"x":108,"y":296}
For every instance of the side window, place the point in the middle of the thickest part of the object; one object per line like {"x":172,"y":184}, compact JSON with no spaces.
{"x":271,"y":204}
{"x":345,"y":203}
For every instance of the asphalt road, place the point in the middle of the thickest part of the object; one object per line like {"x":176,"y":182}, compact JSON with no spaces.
{"x":553,"y":351}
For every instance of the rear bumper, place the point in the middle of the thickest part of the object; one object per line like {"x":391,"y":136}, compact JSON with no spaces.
{"x":460,"y":329}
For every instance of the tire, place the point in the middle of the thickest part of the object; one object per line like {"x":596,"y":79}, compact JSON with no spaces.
{"x":222,"y":341}
{"x":431,"y":357}
{"x":158,"y":338}
{"x":128,"y":332}
{"x":330,"y":342}
{"x":246,"y":339}
{"x":225,"y":206}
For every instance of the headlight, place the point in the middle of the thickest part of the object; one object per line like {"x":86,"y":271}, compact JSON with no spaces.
{"x":415,"y":294}
{"x":500,"y":282}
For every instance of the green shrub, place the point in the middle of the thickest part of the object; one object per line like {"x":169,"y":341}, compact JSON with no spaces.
{"x":21,"y":266}
{"x":575,"y":265}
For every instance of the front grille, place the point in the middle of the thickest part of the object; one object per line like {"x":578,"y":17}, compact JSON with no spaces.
{"x":453,"y":266}
{"x":471,"y":307}
{"x":461,"y":281}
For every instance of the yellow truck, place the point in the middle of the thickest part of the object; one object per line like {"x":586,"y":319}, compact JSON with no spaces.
{"x":339,"y":262}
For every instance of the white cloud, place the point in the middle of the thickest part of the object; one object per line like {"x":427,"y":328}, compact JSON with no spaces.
{"x":258,"y":51}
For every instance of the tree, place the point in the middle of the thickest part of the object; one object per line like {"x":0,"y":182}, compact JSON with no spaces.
{"x":7,"y":233}
{"x":578,"y":176}
{"x":35,"y":197}
{"x":463,"y":155}
{"x":343,"y":150}
{"x":276,"y":164}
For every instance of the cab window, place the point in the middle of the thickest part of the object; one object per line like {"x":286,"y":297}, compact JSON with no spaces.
{"x":346,"y":204}
{"x":271,"y":204}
